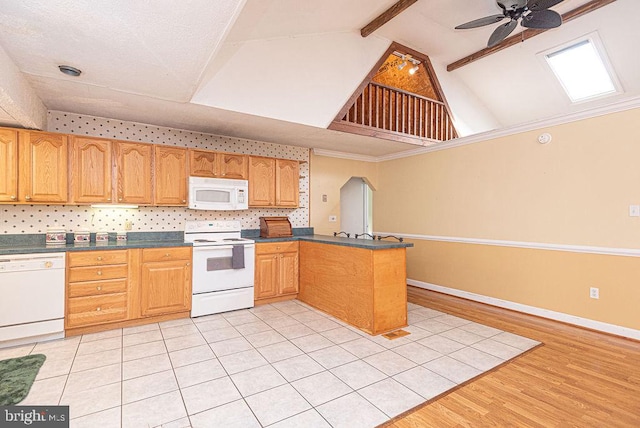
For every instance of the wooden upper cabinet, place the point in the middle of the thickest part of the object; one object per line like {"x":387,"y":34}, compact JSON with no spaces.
{"x":287,"y":183}
{"x":170,"y":176}
{"x":203,"y":163}
{"x":262,"y":173}
{"x":207,"y":163}
{"x":133,"y":169}
{"x":43,"y":167}
{"x":8,"y":165}
{"x":233,"y":166}
{"x":90,"y":174}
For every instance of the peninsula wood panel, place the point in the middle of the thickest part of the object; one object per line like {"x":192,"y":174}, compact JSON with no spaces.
{"x":90,"y":173}
{"x":8,"y":165}
{"x":170,"y":176}
{"x":43,"y":160}
{"x":133,"y":169}
{"x":354,"y":285}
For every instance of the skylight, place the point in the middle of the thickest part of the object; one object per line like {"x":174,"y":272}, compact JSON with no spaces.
{"x":581,"y":71}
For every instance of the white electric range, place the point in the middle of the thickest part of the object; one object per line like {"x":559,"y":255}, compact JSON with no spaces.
{"x":223,"y":267}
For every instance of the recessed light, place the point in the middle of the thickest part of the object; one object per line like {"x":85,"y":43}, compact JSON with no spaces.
{"x":70,"y":71}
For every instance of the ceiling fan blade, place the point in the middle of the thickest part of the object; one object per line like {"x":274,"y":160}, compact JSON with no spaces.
{"x":542,"y":19}
{"x":538,"y":5}
{"x":502,"y":32}
{"x":511,"y":4}
{"x":487,"y":20}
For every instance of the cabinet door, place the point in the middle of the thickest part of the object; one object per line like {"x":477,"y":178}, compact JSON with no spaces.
{"x":8,"y":165}
{"x":266,"y":276}
{"x":287,"y":183}
{"x":261,"y":181}
{"x":289,"y":273}
{"x":43,"y":167}
{"x":170,"y":176}
{"x":133,"y":166}
{"x":203,"y":163}
{"x":90,"y":170}
{"x":233,"y":166}
{"x":165,"y":287}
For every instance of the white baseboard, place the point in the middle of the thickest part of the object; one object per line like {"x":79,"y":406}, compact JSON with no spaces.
{"x":532,"y":310}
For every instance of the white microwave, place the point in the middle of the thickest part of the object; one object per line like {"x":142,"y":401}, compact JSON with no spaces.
{"x":218,"y":194}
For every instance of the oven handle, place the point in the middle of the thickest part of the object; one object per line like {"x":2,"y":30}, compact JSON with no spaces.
{"x":219,"y":247}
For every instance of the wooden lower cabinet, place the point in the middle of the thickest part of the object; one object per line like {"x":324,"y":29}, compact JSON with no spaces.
{"x":96,"y":288}
{"x":117,"y":288}
{"x":165,"y":286}
{"x":276,"y":271}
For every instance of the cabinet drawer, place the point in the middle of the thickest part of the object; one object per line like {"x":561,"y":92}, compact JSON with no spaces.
{"x":95,"y":288}
{"x":96,"y":258}
{"x":91,"y":310}
{"x":166,"y":254}
{"x":276,"y":247}
{"x":97,"y":273}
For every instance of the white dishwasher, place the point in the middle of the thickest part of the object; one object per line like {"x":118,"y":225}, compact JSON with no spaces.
{"x":31,"y":298}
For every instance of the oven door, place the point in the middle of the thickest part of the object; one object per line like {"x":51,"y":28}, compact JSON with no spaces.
{"x":216,"y":268}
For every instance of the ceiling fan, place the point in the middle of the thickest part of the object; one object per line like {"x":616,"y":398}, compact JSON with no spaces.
{"x":533,"y":13}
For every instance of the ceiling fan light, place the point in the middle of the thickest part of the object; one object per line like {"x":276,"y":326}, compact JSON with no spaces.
{"x":402,"y":65}
{"x":413,"y":69}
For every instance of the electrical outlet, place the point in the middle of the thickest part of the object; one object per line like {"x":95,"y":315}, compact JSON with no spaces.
{"x":634,"y":210}
{"x":333,"y":218}
{"x":128,"y":225}
{"x":594,"y":293}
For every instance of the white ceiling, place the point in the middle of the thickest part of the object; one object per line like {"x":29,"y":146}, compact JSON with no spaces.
{"x":280,"y":70}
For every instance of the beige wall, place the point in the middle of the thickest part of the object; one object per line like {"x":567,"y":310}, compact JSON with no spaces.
{"x":328,"y":175}
{"x":575,"y":190}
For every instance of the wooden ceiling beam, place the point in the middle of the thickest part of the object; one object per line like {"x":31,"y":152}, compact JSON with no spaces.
{"x":527,"y":34}
{"x":386,"y":16}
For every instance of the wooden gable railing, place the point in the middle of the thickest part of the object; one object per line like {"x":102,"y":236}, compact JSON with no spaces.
{"x":392,"y":109}
{"x":381,"y":111}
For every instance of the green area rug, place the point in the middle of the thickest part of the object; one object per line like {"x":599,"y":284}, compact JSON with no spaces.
{"x":17,"y":376}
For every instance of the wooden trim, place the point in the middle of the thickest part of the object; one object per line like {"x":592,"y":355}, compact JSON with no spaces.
{"x":275,"y":299}
{"x":527,"y":34}
{"x":128,"y":323}
{"x":386,"y":16}
{"x":369,"y":131}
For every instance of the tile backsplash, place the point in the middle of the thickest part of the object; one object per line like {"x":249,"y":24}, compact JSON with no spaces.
{"x":15,"y":219}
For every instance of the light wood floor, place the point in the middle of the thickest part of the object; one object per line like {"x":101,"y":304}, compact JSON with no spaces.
{"x":579,"y":378}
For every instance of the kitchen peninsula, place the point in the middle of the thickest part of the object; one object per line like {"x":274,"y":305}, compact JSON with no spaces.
{"x":360,"y":281}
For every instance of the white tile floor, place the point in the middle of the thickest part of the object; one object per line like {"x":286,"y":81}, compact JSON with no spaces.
{"x":279,"y":365}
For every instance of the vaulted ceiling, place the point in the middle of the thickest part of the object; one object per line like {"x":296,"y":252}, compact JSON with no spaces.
{"x":280,"y":70}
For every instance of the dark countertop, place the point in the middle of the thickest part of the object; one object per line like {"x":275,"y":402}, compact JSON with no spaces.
{"x":368,"y":244}
{"x":111,"y":245}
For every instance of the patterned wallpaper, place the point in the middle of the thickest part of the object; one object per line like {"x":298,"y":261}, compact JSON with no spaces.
{"x":37,"y":218}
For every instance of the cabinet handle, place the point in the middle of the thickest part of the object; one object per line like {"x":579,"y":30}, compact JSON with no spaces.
{"x":120,"y":199}
{"x":99,"y":258}
{"x":99,"y":273}
{"x":13,"y":197}
{"x":184,"y":201}
{"x":167,"y":255}
{"x":98,"y":288}
{"x":109,"y":199}
{"x":28,"y":198}
{"x":188,"y":264}
{"x":98,"y":308}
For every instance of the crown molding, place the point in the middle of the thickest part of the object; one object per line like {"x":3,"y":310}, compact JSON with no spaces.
{"x":343,"y":155}
{"x":620,"y":106}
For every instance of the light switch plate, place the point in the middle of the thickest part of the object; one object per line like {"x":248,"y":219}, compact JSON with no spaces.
{"x":634,"y":210}
{"x":333,"y":218}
